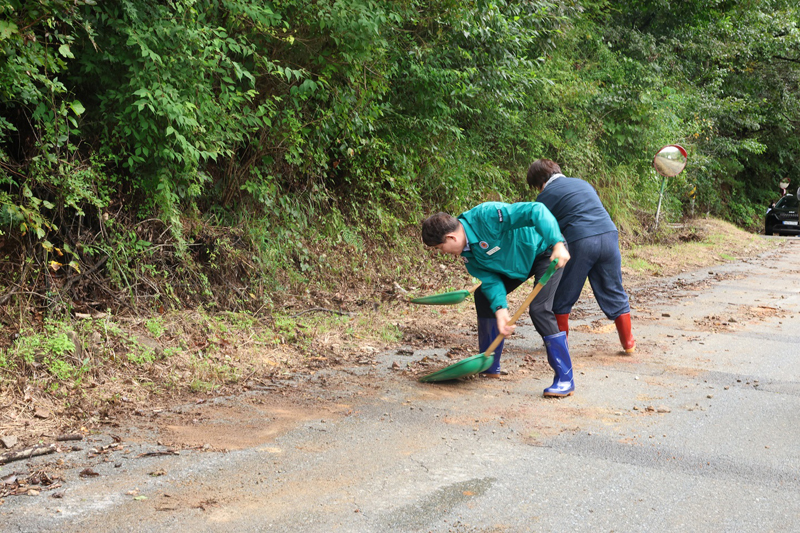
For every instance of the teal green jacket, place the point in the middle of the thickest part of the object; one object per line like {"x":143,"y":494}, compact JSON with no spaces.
{"x":505,"y":239}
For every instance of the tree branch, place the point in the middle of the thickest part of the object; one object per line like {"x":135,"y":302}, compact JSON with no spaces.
{"x":791,"y":60}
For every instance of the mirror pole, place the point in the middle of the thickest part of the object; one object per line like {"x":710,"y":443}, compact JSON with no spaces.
{"x":660,"y":197}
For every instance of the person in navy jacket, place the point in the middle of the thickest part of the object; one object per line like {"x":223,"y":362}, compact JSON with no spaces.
{"x":503,"y":245}
{"x":593,"y":244}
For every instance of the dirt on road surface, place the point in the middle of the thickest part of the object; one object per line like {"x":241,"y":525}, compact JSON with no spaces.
{"x":365,"y":447}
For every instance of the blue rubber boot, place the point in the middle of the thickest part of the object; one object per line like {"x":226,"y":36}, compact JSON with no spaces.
{"x":558,"y":358}
{"x":487,"y":333}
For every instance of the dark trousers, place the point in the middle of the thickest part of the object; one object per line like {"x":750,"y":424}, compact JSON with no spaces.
{"x":541,"y":309}
{"x":598,"y":259}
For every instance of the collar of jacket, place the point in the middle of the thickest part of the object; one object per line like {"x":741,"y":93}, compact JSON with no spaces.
{"x":553,"y":177}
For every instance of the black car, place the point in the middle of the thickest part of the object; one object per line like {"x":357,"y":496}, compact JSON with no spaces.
{"x":782,"y":219}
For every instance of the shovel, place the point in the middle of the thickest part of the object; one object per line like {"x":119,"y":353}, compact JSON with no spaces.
{"x":482,"y":361}
{"x":446,"y":298}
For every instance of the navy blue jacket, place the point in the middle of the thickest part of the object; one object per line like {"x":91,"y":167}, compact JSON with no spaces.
{"x":576,"y":206}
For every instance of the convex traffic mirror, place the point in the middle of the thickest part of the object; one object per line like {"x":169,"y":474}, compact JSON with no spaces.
{"x":670,"y":160}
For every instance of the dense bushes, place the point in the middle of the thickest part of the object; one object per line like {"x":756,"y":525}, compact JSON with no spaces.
{"x":337,"y":119}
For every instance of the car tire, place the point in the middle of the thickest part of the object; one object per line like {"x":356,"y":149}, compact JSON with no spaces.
{"x":767,"y":229}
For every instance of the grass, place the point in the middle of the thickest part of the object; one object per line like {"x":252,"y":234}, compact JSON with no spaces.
{"x":705,"y":243}
{"x":641,"y":266}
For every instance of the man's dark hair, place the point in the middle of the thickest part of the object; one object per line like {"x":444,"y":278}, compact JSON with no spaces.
{"x":540,"y":171}
{"x":435,"y":227}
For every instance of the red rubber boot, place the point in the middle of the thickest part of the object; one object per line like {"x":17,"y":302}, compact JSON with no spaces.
{"x":563,"y":323}
{"x":623,"y":323}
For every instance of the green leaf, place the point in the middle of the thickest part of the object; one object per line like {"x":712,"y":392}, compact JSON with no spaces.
{"x":77,"y":107}
{"x":65,"y":51}
{"x":308,"y":85}
{"x":7,"y":29}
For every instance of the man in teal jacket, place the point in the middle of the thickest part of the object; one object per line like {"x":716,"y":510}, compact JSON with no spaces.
{"x":503,"y":245}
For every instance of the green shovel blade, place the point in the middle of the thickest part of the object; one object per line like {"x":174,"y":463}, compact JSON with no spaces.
{"x":465,"y":367}
{"x":479,"y":363}
{"x":446,"y":298}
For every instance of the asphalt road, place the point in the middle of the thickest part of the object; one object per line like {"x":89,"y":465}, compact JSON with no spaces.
{"x":698,"y":430}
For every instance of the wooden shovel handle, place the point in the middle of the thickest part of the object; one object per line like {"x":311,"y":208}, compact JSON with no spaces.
{"x":500,"y":337}
{"x":475,"y":288}
{"x":490,"y":350}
